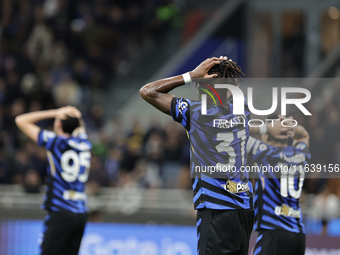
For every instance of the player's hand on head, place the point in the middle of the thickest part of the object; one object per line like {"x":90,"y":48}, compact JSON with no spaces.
{"x":201,"y":71}
{"x":71,"y":111}
{"x":224,"y":58}
{"x":81,"y":129}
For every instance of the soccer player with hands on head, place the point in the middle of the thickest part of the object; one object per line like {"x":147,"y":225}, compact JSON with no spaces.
{"x":69,"y":156}
{"x":224,"y":203}
{"x":278,"y":216}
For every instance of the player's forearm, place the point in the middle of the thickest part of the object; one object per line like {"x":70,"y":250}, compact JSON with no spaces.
{"x":26,"y":122}
{"x":300,"y":133}
{"x":34,"y":117}
{"x":81,"y":129}
{"x":259,"y":130}
{"x":254,"y":130}
{"x":156,"y":93}
{"x":166,"y":85}
{"x":161,"y":86}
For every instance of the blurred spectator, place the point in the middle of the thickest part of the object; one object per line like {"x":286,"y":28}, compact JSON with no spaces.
{"x":5,"y":174}
{"x":39,"y":43}
{"x":95,"y":216}
{"x":22,"y":165}
{"x":325,"y":205}
{"x":98,"y":176}
{"x":112,"y":165}
{"x":147,"y":174}
{"x":54,"y":53}
{"x":32,"y":181}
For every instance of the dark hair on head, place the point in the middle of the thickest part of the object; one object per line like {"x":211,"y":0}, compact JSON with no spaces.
{"x":227,"y":69}
{"x":69,"y":124}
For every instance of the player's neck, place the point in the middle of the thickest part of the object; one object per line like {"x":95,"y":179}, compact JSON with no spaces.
{"x":225,"y":101}
{"x":277,"y":143}
{"x":64,"y":134}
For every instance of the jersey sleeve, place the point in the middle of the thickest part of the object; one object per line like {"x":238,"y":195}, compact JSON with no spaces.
{"x":46,"y":138}
{"x":257,"y":149}
{"x":302,"y":147}
{"x":180,"y":111}
{"x":82,"y":136}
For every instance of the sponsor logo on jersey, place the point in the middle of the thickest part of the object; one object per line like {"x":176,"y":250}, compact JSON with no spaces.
{"x":287,"y":211}
{"x":74,"y":195}
{"x":236,"y":187}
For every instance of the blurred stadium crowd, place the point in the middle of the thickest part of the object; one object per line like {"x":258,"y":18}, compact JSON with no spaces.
{"x":54,"y":53}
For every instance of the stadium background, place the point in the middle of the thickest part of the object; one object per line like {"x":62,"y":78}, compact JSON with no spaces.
{"x":97,"y":54}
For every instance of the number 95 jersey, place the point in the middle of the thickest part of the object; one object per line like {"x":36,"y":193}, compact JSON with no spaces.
{"x":277,"y":193}
{"x":69,"y":163}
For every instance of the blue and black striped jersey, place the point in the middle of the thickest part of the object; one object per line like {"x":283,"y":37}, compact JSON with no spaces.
{"x":216,"y":144}
{"x":277,"y":192}
{"x":69,"y":162}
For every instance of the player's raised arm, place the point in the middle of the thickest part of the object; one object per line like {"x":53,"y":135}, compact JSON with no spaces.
{"x":156,"y":93}
{"x":300,"y":135}
{"x":81,"y":129}
{"x":26,"y":122}
{"x":275,"y":129}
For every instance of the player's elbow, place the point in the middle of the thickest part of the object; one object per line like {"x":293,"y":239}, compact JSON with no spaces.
{"x":142,"y":92}
{"x":146,"y":92}
{"x":307,"y":137}
{"x":18,"y":120}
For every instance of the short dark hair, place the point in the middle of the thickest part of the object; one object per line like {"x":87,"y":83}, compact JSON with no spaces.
{"x":227,"y":69}
{"x":69,"y":124}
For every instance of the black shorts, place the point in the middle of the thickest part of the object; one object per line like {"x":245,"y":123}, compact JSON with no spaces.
{"x":62,"y":233}
{"x":221,"y":232}
{"x":280,"y":242}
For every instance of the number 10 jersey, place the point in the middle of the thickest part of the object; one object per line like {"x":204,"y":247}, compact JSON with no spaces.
{"x":279,"y":185}
{"x":69,"y":162}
